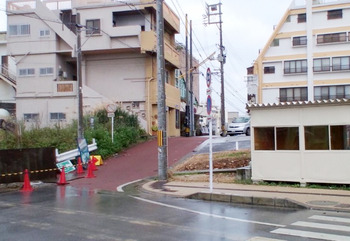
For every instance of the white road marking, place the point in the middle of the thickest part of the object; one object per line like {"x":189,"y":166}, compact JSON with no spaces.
{"x":207,"y":214}
{"x":307,"y":234}
{"x":120,"y":187}
{"x":332,"y":219}
{"x":322,"y":226}
{"x":264,"y":239}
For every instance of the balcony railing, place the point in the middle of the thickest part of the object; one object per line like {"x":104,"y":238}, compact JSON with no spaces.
{"x":11,"y":77}
{"x":148,"y":42}
{"x":30,"y":5}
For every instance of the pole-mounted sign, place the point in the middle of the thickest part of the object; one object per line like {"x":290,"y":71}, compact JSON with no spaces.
{"x":111,"y":108}
{"x":208,"y":77}
{"x":209,"y":104}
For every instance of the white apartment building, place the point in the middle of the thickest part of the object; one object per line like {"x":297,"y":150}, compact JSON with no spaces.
{"x":307,"y":57}
{"x":118,"y":46}
{"x":7,"y":79}
{"x":298,"y":94}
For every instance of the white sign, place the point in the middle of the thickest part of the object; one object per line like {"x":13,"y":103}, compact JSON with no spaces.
{"x":110,"y":114}
{"x":111,"y":108}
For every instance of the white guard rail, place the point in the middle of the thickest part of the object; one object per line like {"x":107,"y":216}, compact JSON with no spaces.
{"x":69,"y":155}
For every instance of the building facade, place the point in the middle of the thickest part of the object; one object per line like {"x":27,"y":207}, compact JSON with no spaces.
{"x":7,"y":79}
{"x":298,"y":95}
{"x":307,"y":57}
{"x":118,"y":47}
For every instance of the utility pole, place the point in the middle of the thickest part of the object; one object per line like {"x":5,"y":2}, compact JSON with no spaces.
{"x":192,"y":127}
{"x":79,"y":79}
{"x":214,"y":10}
{"x":187,"y":110}
{"x":162,"y":133}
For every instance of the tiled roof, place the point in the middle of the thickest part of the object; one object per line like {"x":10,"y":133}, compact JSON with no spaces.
{"x":300,"y":104}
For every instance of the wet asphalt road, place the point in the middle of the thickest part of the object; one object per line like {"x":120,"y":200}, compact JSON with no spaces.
{"x":67,"y":213}
{"x":78,"y":212}
{"x":228,"y":143}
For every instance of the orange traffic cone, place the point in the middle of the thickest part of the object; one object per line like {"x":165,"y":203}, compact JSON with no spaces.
{"x":26,"y":186}
{"x":62,"y":180}
{"x":90,"y":171}
{"x":80,"y":169}
{"x":93,"y":163}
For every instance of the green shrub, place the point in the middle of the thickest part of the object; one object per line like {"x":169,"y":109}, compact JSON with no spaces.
{"x":127,"y":132}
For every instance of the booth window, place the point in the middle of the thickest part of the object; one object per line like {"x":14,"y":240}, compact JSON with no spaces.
{"x":340,"y":137}
{"x":264,"y":138}
{"x":287,"y":138}
{"x":316,"y":138}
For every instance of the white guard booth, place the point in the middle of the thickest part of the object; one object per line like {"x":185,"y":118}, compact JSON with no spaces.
{"x":303,"y":141}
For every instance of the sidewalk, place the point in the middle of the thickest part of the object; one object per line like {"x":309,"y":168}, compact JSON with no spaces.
{"x":288,"y":197}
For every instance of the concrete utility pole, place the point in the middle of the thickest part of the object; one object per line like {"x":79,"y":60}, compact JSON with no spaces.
{"x":162,"y":133}
{"x":187,"y":110}
{"x":222,"y":62}
{"x":192,"y":127}
{"x":214,"y":10}
{"x":79,"y":80}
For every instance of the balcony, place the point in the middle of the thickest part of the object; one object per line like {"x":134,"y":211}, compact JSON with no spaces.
{"x":172,"y":95}
{"x":30,"y":5}
{"x":148,"y":43}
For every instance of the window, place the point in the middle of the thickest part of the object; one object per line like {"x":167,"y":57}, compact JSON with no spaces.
{"x":335,"y":14}
{"x":293,"y":94}
{"x":31,"y":117}
{"x":264,"y":138}
{"x":128,"y":18}
{"x":177,"y":75}
{"x":166,"y":76}
{"x":302,"y":18}
{"x":46,"y":71}
{"x":332,"y":92}
{"x":44,"y":33}
{"x":299,"y":41}
{"x":93,"y":26}
{"x":287,"y":138}
{"x":331,"y":38}
{"x":269,"y":70}
{"x":340,"y":137}
{"x":316,"y":138}
{"x":177,"y":119}
{"x":295,"y":66}
{"x":275,"y":43}
{"x":19,"y":30}
{"x":57,"y":116}
{"x":341,"y":63}
{"x":323,"y":64}
{"x":26,"y":72}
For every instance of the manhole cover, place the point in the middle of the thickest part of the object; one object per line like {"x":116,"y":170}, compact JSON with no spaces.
{"x":323,"y":203}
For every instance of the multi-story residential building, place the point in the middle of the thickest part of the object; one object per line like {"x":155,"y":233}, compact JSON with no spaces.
{"x":185,"y":86}
{"x":307,"y":57}
{"x":7,"y":79}
{"x":118,"y":46}
{"x":298,"y":92}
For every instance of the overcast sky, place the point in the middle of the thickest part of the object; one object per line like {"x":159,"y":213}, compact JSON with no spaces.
{"x":247,"y":24}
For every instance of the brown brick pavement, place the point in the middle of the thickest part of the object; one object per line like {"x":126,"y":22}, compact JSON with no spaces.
{"x":138,"y":162}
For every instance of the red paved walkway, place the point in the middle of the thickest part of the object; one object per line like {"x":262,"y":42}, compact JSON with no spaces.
{"x":138,"y":162}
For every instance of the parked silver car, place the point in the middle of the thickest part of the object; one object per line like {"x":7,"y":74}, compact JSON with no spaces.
{"x":240,"y":125}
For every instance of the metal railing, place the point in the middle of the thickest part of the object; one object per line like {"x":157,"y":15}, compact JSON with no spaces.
{"x":5,"y":72}
{"x":70,"y":155}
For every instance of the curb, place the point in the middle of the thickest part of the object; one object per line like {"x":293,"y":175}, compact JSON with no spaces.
{"x":249,"y":200}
